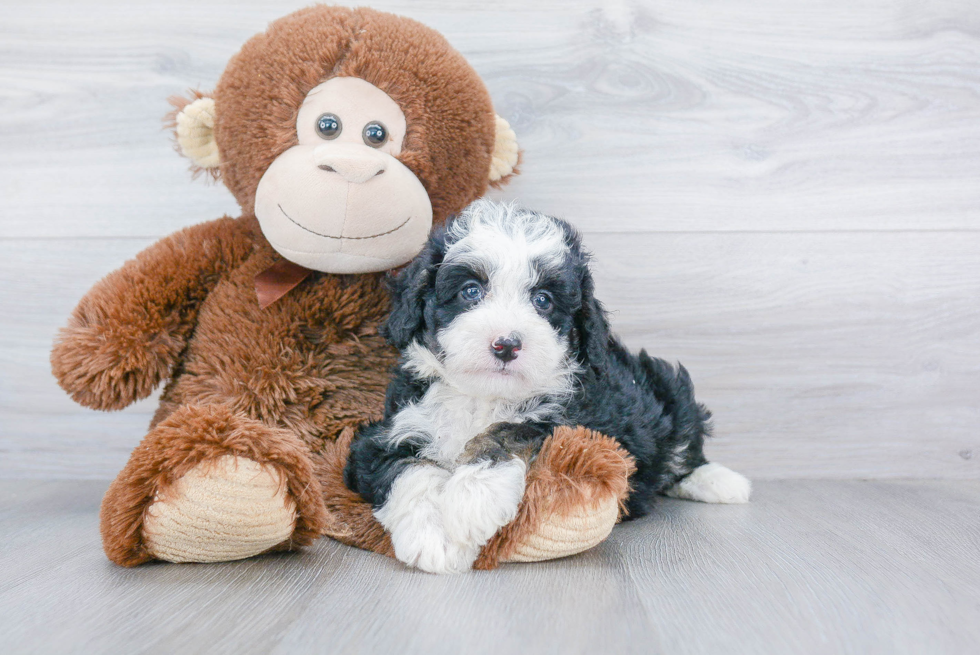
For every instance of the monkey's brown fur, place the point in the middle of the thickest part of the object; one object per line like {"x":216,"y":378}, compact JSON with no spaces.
{"x":287,"y":385}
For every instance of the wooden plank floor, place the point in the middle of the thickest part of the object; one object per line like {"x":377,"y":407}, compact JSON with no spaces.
{"x":808,"y":567}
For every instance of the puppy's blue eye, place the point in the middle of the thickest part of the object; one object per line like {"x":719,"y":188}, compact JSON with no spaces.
{"x":328,"y":126}
{"x":472,"y":291}
{"x":542,"y":301}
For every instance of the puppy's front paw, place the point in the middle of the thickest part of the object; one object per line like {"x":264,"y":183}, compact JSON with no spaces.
{"x":713,"y":483}
{"x":503,"y":441}
{"x":412,"y":515}
{"x":479,"y":499}
{"x":426,"y":547}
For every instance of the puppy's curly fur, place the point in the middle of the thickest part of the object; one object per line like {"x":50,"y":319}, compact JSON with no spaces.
{"x":503,"y":340}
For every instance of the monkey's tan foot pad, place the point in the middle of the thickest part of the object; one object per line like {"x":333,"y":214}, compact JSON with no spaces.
{"x":572,"y":500}
{"x":223,"y":509}
{"x":563,"y":535}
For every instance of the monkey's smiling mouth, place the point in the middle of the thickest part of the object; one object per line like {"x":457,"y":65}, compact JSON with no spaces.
{"x":330,"y":236}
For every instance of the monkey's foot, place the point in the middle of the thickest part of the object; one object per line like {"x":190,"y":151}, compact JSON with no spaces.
{"x":575,"y":490}
{"x":561,"y":535}
{"x":209,"y":485}
{"x":224,"y":509}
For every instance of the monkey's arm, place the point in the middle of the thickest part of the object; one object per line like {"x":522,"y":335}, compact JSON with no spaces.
{"x":127,"y":332}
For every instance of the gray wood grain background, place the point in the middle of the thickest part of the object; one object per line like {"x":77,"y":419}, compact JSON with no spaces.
{"x":784,"y":195}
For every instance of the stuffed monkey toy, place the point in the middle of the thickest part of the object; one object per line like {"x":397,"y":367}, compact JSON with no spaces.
{"x":344,"y":135}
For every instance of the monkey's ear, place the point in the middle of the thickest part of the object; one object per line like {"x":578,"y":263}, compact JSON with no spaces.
{"x":193,"y":125}
{"x":506,"y":154}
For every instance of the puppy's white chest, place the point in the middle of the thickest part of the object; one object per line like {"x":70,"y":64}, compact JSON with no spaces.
{"x":454,"y":419}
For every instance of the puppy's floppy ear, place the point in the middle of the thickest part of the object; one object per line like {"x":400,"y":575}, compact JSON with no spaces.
{"x":409,"y":288}
{"x":590,"y":323}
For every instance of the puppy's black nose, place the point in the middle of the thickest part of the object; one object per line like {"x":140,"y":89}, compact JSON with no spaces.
{"x":505,"y":349}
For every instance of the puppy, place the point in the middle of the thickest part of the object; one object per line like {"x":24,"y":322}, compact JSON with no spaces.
{"x":502,"y":340}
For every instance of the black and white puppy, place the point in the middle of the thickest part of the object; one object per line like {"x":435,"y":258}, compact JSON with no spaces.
{"x":503,"y":340}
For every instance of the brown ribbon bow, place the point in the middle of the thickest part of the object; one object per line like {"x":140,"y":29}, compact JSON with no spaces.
{"x":276,"y":281}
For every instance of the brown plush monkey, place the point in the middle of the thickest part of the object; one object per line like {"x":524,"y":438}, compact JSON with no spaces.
{"x":343,"y":134}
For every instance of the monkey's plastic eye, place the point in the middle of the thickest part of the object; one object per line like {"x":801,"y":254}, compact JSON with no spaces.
{"x":471,"y":292}
{"x":375,"y":134}
{"x":329,"y":126}
{"x":542,"y":301}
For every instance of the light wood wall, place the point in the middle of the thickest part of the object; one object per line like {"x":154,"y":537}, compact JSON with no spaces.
{"x":784,"y":195}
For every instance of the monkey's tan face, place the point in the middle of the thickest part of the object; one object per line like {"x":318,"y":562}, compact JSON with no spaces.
{"x":340,"y":201}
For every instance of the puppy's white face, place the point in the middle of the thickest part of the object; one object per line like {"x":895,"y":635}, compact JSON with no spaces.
{"x":495,"y":304}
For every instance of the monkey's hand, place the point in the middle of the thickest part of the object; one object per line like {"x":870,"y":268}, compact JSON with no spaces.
{"x":126,"y":334}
